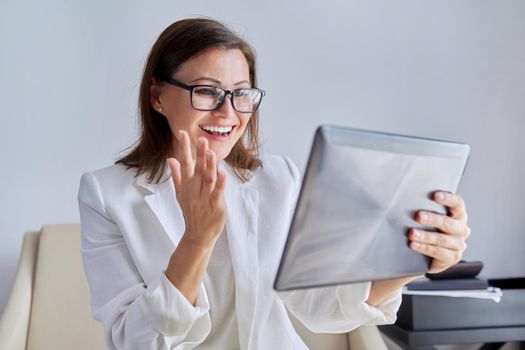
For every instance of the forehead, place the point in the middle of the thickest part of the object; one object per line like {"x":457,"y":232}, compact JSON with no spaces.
{"x":225,"y":65}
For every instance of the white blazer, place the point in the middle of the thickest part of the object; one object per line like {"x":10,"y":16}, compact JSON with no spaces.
{"x":130,"y":228}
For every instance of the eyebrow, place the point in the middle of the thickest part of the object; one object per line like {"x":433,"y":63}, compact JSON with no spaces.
{"x":218,"y":82}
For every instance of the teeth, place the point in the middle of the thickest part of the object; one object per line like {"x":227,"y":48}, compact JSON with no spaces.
{"x":217,"y":129}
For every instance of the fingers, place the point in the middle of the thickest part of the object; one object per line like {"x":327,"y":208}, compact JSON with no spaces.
{"x":442,"y":256}
{"x":201,"y":162}
{"x":201,"y":174}
{"x":444,"y":223}
{"x":447,"y":246}
{"x":210,"y":176}
{"x":437,"y":239}
{"x":187,"y":165}
{"x":216,"y":195}
{"x":454,"y":202}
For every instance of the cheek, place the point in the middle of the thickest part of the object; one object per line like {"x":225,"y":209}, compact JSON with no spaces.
{"x":244,"y":122}
{"x":184,"y":118}
{"x":241,"y":129}
{"x":178,"y":110}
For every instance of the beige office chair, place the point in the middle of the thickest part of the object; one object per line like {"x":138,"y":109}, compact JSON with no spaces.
{"x":48,"y":308}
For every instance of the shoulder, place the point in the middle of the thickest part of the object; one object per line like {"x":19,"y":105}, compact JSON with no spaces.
{"x":115,"y":172}
{"x":113,"y":175}
{"x":279,"y":165}
{"x":103,"y":182}
{"x":276,"y":171}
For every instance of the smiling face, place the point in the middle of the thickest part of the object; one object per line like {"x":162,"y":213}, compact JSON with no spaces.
{"x":225,"y":68}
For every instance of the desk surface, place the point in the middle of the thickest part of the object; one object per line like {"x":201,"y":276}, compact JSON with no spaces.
{"x":426,"y":339}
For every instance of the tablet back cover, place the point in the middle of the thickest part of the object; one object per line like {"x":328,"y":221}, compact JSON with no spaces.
{"x":358,"y":200}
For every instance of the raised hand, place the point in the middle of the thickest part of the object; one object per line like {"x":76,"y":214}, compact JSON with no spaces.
{"x":199,"y":188}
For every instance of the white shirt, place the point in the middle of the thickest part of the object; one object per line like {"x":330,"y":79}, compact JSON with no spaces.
{"x":224,"y":332}
{"x":130,"y":228}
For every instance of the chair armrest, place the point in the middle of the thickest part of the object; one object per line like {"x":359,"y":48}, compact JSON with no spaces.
{"x":366,"y":338}
{"x":14,"y":321}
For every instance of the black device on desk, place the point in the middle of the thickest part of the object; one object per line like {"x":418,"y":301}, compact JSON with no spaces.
{"x":461,"y":276}
{"x":449,"y":284}
{"x":463,"y":269}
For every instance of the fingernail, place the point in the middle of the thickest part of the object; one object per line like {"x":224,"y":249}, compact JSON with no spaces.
{"x":417,"y":234}
{"x":440,"y":195}
{"x":415,"y":245}
{"x":423,"y":216}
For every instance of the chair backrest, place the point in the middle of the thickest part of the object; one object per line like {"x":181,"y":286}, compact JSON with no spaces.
{"x":60,"y":309}
{"x":320,"y":341}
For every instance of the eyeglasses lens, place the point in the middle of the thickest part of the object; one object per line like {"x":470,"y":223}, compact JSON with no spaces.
{"x":208,"y":98}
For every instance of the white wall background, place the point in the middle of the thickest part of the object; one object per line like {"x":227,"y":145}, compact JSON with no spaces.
{"x":70,"y":70}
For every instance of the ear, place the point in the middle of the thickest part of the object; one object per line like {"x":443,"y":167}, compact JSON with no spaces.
{"x":154,"y":93}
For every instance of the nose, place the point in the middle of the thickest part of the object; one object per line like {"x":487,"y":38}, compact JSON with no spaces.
{"x":225,"y":110}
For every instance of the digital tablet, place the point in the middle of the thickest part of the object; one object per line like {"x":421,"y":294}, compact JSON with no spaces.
{"x":358,"y":199}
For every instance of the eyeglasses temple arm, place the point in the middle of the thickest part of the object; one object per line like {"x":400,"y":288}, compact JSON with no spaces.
{"x":177,"y":83}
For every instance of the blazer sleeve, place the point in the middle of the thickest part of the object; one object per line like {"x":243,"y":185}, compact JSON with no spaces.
{"x":339,"y":309}
{"x":134,"y":315}
{"x":336,"y":309}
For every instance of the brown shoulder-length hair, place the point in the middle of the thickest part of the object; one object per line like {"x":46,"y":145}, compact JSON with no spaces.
{"x":176,"y":44}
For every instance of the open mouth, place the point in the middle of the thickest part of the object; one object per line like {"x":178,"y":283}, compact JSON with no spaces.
{"x":217,"y":130}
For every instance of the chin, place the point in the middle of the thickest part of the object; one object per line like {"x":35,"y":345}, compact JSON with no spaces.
{"x":222,"y":153}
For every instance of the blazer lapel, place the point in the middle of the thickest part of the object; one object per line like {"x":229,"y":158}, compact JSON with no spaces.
{"x":163,"y":202}
{"x":241,"y":228}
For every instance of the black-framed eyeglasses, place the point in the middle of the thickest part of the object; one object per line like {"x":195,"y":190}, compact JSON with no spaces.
{"x":209,"y":98}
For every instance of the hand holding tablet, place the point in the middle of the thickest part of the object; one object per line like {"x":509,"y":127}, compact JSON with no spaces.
{"x":447,"y":245}
{"x":360,"y":195}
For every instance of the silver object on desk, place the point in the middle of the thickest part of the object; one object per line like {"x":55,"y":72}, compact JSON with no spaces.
{"x":358,"y":199}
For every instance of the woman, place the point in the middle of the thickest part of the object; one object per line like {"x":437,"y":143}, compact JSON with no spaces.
{"x":181,"y":237}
